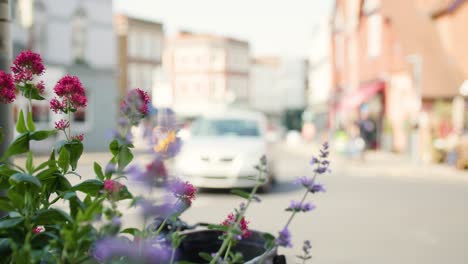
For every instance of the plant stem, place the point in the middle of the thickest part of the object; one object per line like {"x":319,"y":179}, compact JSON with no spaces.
{"x":161,"y":226}
{"x":227,"y":251}
{"x":294,"y":212}
{"x":69,"y":119}
{"x":227,"y":240}
{"x":300,"y":204}
{"x":172,"y":255}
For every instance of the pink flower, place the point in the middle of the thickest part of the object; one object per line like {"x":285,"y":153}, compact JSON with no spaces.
{"x":7,"y":88}
{"x":58,"y":106}
{"x":62,"y":124}
{"x":135,"y":105}
{"x":112,"y":186}
{"x":26,"y":65}
{"x":38,"y":229}
{"x":72,"y":94}
{"x":79,"y":137}
{"x":231,"y":220}
{"x":156,"y":169}
{"x":40,"y":86}
{"x":185,"y":191}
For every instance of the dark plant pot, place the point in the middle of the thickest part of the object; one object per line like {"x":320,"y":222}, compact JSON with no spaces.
{"x":252,"y":248}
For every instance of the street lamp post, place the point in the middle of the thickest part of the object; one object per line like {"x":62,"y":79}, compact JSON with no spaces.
{"x":6,"y":117}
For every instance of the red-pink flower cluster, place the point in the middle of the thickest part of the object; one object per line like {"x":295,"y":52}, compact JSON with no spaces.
{"x":231,"y":220}
{"x":157,"y":169}
{"x":135,"y":105}
{"x":38,"y":229}
{"x":112,"y":186}
{"x":62,"y":124}
{"x":71,"y":93}
{"x":79,"y":137}
{"x":26,"y":65}
{"x":7,"y":88}
{"x":185,"y":191}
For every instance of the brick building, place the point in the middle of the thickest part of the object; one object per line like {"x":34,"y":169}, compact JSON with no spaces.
{"x":389,"y":57}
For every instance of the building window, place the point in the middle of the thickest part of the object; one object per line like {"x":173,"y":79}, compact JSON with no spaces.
{"x":40,"y":112}
{"x":374,"y":35}
{"x":79,"y":35}
{"x":79,"y":115}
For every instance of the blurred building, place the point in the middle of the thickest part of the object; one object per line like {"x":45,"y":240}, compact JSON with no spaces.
{"x":278,"y":88}
{"x":73,"y":37}
{"x":320,"y":76}
{"x":207,"y":72}
{"x":389,"y":58}
{"x":139,"y":48}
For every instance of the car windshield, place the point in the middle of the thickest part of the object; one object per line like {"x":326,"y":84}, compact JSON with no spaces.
{"x":225,"y":127}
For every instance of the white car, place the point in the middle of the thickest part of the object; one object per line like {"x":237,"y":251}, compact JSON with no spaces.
{"x":222,"y":151}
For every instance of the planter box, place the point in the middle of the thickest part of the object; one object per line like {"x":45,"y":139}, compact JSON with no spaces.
{"x":252,"y":248}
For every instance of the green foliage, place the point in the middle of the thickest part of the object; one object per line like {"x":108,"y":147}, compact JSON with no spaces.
{"x":91,"y":187}
{"x":20,"y":125}
{"x":30,"y":122}
{"x":241,"y":193}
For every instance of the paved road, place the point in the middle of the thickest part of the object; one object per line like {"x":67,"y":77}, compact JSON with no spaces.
{"x":364,"y":218}
{"x":367,"y":216}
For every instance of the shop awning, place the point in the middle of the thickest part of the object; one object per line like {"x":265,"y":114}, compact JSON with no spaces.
{"x":363,"y":94}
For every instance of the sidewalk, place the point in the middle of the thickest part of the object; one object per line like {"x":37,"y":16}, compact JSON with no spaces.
{"x":381,"y":164}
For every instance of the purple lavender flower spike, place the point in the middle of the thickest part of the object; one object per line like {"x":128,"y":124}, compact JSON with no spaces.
{"x":313,"y":161}
{"x":116,"y":221}
{"x":307,"y":207}
{"x":108,"y":248}
{"x":284,"y":238}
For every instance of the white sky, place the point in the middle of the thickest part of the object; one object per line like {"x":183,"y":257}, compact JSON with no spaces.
{"x":273,"y":27}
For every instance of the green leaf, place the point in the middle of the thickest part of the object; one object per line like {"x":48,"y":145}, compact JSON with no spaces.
{"x":241,"y":193}
{"x":5,"y":204}
{"x":63,"y":184}
{"x":16,"y":199}
{"x":205,"y":256}
{"x":5,"y":246}
{"x":30,"y":122}
{"x":10,"y":222}
{"x":218,"y":227}
{"x":6,"y":171}
{"x":31,"y":92}
{"x":51,"y":216}
{"x":269,"y":240}
{"x":19,"y":146}
{"x":42,"y":134}
{"x":20,"y":125}
{"x":49,"y":163}
{"x":125,"y":156}
{"x":75,"y":149}
{"x":75,"y":205}
{"x":114,"y":147}
{"x":25,"y":178}
{"x":29,"y":162}
{"x":64,"y":160}
{"x":132,"y":231}
{"x":48,"y":174}
{"x":91,"y":187}
{"x":1,"y":134}
{"x":124,"y":194}
{"x":98,"y":171}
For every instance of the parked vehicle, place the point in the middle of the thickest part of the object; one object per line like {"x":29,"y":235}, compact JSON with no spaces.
{"x":223,"y":149}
